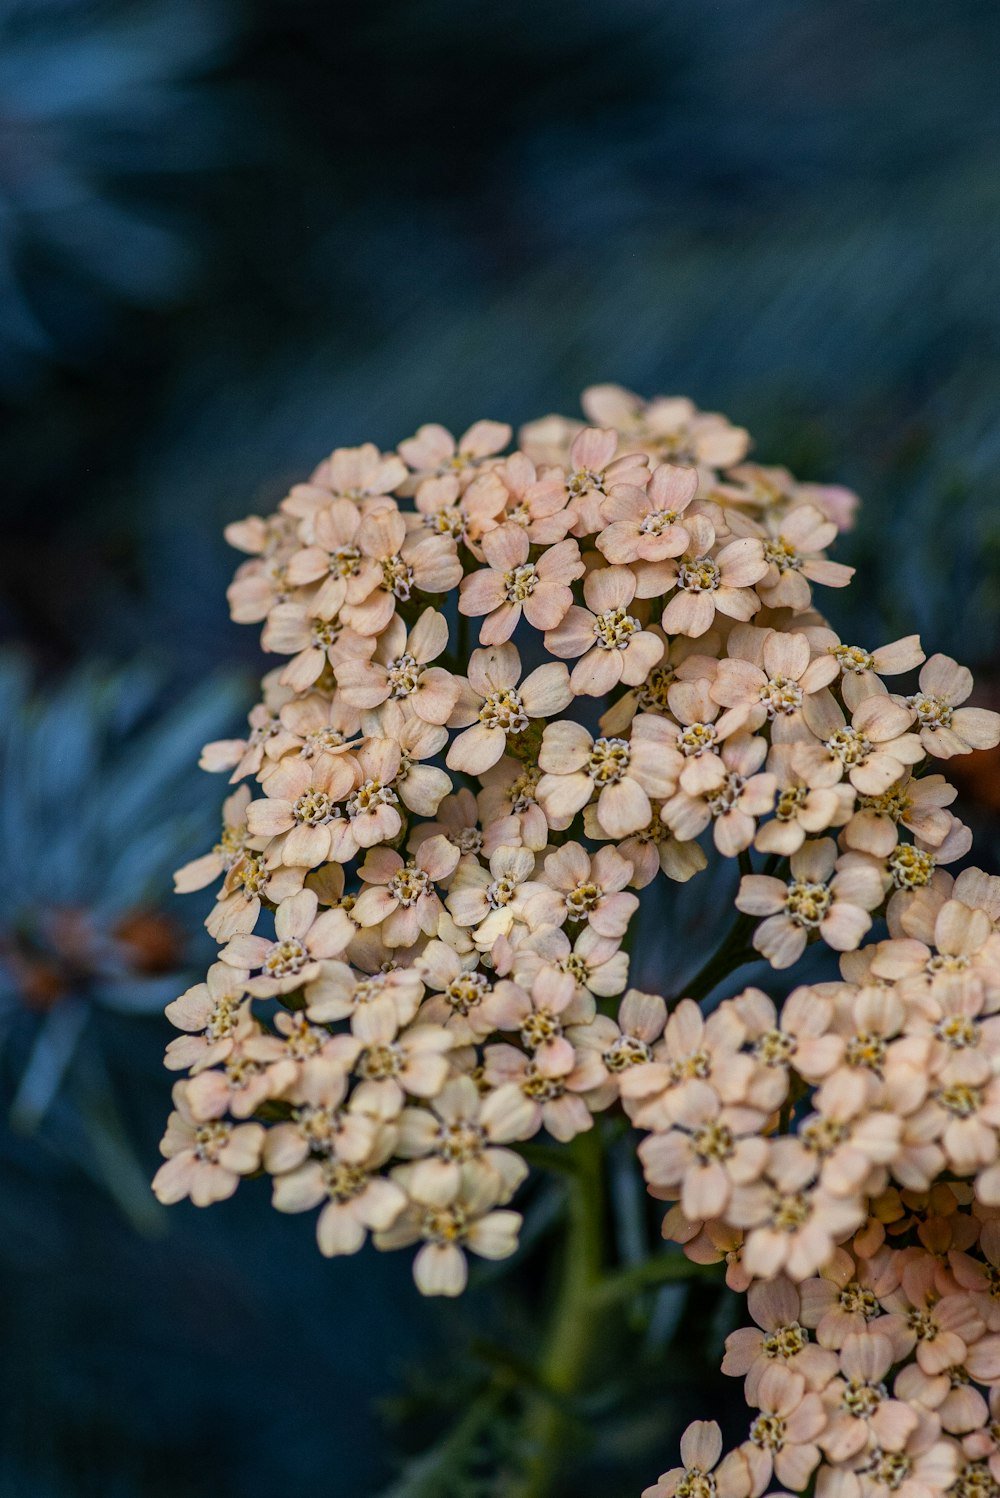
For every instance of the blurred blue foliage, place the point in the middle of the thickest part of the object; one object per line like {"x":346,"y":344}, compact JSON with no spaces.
{"x":234,"y":235}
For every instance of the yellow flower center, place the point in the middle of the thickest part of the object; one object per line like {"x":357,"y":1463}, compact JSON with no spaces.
{"x":824,"y":1135}
{"x":785,"y":1341}
{"x":775,"y":1048}
{"x":859,"y":1300}
{"x":380,"y":1062}
{"x":657,"y":521}
{"x":852,"y":658}
{"x":285,"y":958}
{"x":807,"y":904}
{"x":459,"y":1140}
{"x":850,"y":746}
{"x":538,"y":1027}
{"x":782,"y":554}
{"x":790,"y":1210}
{"x":861,"y":1399}
{"x":700,"y":575}
{"x":726,"y":798}
{"x":790,"y":802}
{"x":696,"y":1484}
{"x":520,"y":582}
{"x":961,"y":1099}
{"x":609,"y":761}
{"x":651,"y":696}
{"x":866,"y":1050}
{"x":314,"y":808}
{"x":409,"y":884}
{"x":781,"y":695}
{"x":504,"y":710}
{"x":397,"y":577}
{"x":768,"y":1432}
{"x":911,"y":868}
{"x":957,"y":1031}
{"x":695,"y":739}
{"x":713,"y":1141}
{"x":582,"y":899}
{"x":500,"y":893}
{"x":404,"y":676}
{"x":625,"y":1052}
{"x":614,"y":629}
{"x":369,"y":797}
{"x":210,"y":1139}
{"x":445,"y":1225}
{"x":932,"y":712}
{"x":343,"y":1182}
{"x":467,"y":992}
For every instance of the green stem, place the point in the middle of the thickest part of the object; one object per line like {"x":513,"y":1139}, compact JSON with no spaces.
{"x":664,"y":1269}
{"x":575,"y":1323}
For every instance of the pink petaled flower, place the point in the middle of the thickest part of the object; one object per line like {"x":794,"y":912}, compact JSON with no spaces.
{"x":316,"y":1057}
{"x":301,"y":808}
{"x":862,"y":670}
{"x":324,"y":1127}
{"x":709,"y":581}
{"x":371,"y":1001}
{"x":709,"y":1150}
{"x":925,"y":1468}
{"x":508,"y":800}
{"x":248,"y":883}
{"x":446,"y":507}
{"x":917,"y":805}
{"x":400,"y":896}
{"x":399,"y":670}
{"x":783,"y":1435}
{"x":511,"y":585}
{"x":826,"y":896}
{"x":773,"y":491}
{"x":647,"y":524}
{"x":699,"y":732}
{"x":458,"y":992}
{"x":873,"y":751}
{"x":413,"y":1061}
{"x":732,"y":803}
{"x":539,"y":1017}
{"x":794,"y":548}
{"x":497,"y":708}
{"x":357,"y":1200}
{"x":799,"y":1037}
{"x":259,"y":537}
{"x":859,"y":1409}
{"x":848,"y":1296}
{"x":261,"y":586}
{"x":791,"y":1223}
{"x":596,"y":963}
{"x":703,"y":1475}
{"x":946,"y":728}
{"x":612,"y":642}
{"x":249,"y":755}
{"x":801,"y":809}
{"x":216,"y":1015}
{"x":357,"y":473}
{"x":244,"y":1082}
{"x":302,"y":939}
{"x":536,"y":503}
{"x":434,"y":452}
{"x":593,"y":473}
{"x":469,"y":1223}
{"x":556,"y":1101}
{"x":611,"y":1049}
{"x":947,"y":1401}
{"x":204,"y":1160}
{"x":771,"y":673}
{"x":696,"y":1051}
{"x":314,"y":642}
{"x":621,"y":773}
{"x":427,"y":564}
{"x":964,"y":1107}
{"x":491,"y":899}
{"x":940,"y":1330}
{"x":669,"y":426}
{"x":581,"y":888}
{"x":779,"y":1337}
{"x":333,"y":558}
{"x":457,"y":820}
{"x":310,"y":727}
{"x":454,"y":1143}
{"x":984,"y":1444}
{"x":850,"y":1143}
{"x":653,"y":850}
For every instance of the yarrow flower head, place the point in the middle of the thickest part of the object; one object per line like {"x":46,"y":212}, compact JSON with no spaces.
{"x":428,"y":889}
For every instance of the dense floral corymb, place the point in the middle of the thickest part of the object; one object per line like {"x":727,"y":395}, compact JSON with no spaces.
{"x":431,"y":867}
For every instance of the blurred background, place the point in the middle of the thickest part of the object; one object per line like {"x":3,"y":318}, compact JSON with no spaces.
{"x":235,"y":234}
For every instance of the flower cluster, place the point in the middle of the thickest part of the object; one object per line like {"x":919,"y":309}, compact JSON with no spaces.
{"x":431,"y":864}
